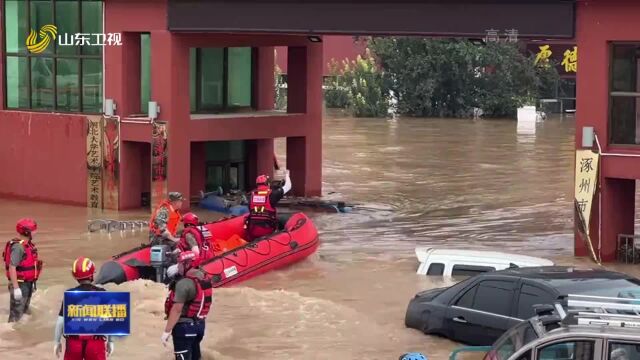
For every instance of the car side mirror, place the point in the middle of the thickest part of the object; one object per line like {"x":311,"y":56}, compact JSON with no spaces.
{"x":543,"y":309}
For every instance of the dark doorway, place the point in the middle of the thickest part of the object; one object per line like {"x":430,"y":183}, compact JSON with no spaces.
{"x":225,"y":165}
{"x":136,"y":180}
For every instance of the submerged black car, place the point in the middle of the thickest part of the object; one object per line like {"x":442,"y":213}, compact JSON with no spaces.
{"x":478,"y":310}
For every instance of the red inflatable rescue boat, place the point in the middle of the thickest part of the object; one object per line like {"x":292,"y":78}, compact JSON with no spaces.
{"x":295,"y":242}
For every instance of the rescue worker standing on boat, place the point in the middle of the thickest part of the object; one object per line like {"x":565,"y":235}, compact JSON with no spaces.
{"x":165,"y":220}
{"x":193,"y":240}
{"x":22,"y":268}
{"x":82,"y":347}
{"x":263,"y":218}
{"x":186,"y":308}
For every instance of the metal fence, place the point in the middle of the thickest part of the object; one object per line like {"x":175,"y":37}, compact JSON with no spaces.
{"x":628,"y":249}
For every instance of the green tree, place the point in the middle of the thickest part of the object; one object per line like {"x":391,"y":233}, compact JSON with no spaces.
{"x":448,"y":78}
{"x":359,"y":86}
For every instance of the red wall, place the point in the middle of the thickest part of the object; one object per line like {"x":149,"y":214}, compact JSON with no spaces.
{"x":43,"y":156}
{"x":597,"y":23}
{"x":336,"y":47}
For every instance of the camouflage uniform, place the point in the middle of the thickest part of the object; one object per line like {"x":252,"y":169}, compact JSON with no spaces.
{"x":162,"y":217}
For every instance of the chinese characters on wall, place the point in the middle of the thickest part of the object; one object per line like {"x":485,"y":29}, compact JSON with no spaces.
{"x":586,"y":183}
{"x":565,"y":55}
{"x":103,"y":144}
{"x":94,"y":162}
{"x":111,"y":162}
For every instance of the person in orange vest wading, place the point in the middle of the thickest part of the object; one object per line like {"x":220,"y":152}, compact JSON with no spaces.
{"x":82,"y":347}
{"x":22,"y":268}
{"x":186,"y":308}
{"x":263,"y":218}
{"x":165,"y":220}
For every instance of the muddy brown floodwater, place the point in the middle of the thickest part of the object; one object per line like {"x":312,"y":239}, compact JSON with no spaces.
{"x":454,"y":183}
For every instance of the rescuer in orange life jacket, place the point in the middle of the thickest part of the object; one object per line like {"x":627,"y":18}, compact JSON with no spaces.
{"x":263,"y":218}
{"x":22,"y":267}
{"x":82,"y":347}
{"x":192,"y":239}
{"x":165,"y":220}
{"x":186,"y":308}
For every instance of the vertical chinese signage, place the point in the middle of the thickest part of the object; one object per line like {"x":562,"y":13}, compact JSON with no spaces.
{"x":111,"y":168}
{"x":585,"y":187}
{"x":103,"y":159}
{"x":158,"y":163}
{"x":94,"y":162}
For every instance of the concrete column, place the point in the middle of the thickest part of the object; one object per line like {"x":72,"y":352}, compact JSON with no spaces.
{"x":170,"y":89}
{"x":263,"y":149}
{"x":304,"y":154}
{"x":264,"y":157}
{"x":122,"y":64}
{"x":265,"y":78}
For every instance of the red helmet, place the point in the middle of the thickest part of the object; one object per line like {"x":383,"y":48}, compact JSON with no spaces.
{"x":190,"y":219}
{"x":83,"y":268}
{"x":262,"y":179}
{"x":26,"y":226}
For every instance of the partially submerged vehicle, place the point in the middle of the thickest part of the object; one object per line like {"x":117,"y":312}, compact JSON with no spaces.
{"x":478,"y":310}
{"x":453,"y":262}
{"x":590,"y":328}
{"x":294,"y":242}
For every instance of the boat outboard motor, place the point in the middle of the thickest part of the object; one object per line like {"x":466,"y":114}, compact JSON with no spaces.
{"x":160,"y":260}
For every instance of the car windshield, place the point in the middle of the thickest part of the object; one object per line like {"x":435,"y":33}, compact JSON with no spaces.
{"x":628,"y":288}
{"x":513,"y":340}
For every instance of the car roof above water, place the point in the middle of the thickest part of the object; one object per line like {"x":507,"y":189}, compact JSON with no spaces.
{"x":562,"y":272}
{"x":427,"y":253}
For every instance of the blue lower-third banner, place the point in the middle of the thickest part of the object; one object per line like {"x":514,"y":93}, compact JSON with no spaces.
{"x":97,"y":313}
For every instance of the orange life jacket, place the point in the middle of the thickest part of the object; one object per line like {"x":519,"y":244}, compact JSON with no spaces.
{"x":199,"y":307}
{"x":29,"y":268}
{"x":172,"y":223}
{"x":260,"y":209}
{"x":206,"y":252}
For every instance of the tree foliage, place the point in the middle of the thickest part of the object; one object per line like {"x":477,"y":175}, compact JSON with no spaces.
{"x":359,"y":86}
{"x":448,"y":78}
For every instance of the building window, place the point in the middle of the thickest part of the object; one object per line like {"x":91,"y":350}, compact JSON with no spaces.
{"x":59,"y":78}
{"x":624,"y":118}
{"x":145,"y":72}
{"x":221,"y":79}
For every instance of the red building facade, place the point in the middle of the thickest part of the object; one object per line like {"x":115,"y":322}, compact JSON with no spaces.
{"x":54,"y":150}
{"x":49,"y":142}
{"x":608,"y":94}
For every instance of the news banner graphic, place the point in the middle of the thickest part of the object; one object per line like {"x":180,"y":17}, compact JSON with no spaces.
{"x":97,"y":313}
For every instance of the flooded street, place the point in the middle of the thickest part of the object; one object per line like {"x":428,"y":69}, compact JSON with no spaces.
{"x":428,"y":182}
